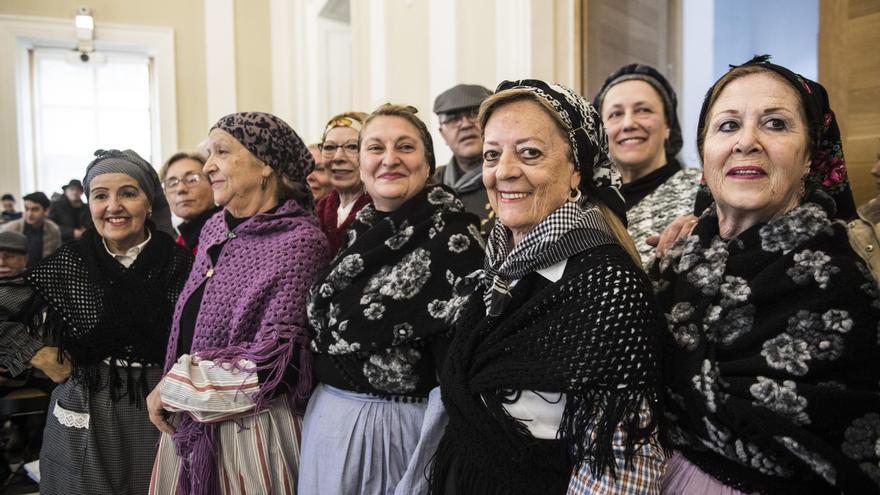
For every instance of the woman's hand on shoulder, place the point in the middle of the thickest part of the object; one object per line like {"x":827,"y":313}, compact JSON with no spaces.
{"x":156,"y":410}
{"x":46,"y":360}
{"x":679,"y":229}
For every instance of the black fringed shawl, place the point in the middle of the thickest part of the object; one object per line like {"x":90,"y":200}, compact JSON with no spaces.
{"x":773,"y":359}
{"x":593,"y":335}
{"x":97,"y":309}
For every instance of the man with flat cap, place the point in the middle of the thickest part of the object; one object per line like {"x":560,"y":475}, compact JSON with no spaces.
{"x":70,"y":213}
{"x":457,"y":110}
{"x":13,"y":254}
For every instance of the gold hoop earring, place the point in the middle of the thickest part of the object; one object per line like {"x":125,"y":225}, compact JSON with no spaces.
{"x":574,"y":195}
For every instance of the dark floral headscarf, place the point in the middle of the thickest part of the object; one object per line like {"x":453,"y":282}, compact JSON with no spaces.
{"x":828,"y":168}
{"x":586,"y":135}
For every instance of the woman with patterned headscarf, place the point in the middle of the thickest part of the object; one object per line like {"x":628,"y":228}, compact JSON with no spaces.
{"x":238,"y":365}
{"x":95,"y":317}
{"x":772,"y":345}
{"x":638,"y":108}
{"x":552,"y":380}
{"x":339,"y":149}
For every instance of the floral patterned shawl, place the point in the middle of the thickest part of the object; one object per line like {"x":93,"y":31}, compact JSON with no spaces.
{"x":772,"y":354}
{"x":389,"y":292}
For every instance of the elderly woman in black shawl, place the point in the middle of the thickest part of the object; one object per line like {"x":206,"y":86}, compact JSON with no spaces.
{"x":552,"y":380}
{"x":95,"y":316}
{"x":772,"y":362}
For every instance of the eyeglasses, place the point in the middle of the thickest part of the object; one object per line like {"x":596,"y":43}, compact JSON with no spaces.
{"x":329,"y":149}
{"x":190,"y":179}
{"x":9,"y":255}
{"x":455,"y":118}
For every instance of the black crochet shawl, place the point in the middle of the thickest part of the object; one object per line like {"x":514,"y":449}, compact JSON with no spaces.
{"x":95,"y":308}
{"x":772,"y":359}
{"x":593,"y":335}
{"x":389,"y":292}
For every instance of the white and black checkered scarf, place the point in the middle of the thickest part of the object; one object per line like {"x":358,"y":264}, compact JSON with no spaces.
{"x":569,"y":230}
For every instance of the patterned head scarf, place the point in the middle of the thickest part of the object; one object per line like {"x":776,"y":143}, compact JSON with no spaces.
{"x":355,"y":120}
{"x":650,"y":75}
{"x":828,"y":168}
{"x":272,"y":141}
{"x":589,"y":145}
{"x":130,"y":163}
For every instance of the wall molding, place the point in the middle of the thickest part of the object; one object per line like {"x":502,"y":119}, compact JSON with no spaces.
{"x":220,"y":59}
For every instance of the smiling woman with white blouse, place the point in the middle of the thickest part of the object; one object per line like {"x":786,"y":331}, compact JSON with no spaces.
{"x":552,"y":381}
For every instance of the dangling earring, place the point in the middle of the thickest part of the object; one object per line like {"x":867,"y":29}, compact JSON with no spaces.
{"x":263,"y":182}
{"x":574,"y":195}
{"x":803,"y":187}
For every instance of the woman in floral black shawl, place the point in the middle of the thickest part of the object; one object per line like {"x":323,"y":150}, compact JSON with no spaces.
{"x":772,"y":350}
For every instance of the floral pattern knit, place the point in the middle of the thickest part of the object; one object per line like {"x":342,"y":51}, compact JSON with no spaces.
{"x":656,"y":211}
{"x":388,"y":295}
{"x":773,"y":351}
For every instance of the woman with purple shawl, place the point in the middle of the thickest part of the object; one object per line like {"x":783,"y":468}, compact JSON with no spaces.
{"x":238,"y":368}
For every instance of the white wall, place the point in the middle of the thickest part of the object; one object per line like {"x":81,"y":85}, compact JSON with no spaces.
{"x":697,"y":76}
{"x":753,"y":27}
{"x":720,"y":32}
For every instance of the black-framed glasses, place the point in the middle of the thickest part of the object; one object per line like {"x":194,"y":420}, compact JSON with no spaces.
{"x":455,"y":118}
{"x":329,"y":149}
{"x":190,"y":179}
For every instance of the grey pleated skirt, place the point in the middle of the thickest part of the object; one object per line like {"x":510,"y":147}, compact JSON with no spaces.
{"x":355,"y":443}
{"x":93,"y":446}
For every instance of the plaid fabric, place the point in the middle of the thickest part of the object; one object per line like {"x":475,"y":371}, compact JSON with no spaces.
{"x":642,"y":477}
{"x":569,"y":230}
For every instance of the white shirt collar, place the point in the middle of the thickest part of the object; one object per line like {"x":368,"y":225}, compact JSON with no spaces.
{"x":127,"y":259}
{"x":553,"y":272}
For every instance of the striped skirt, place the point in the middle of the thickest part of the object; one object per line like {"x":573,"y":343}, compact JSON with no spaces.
{"x":255,"y":454}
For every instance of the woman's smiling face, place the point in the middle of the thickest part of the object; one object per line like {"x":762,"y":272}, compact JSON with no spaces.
{"x":119,"y":209}
{"x":527,"y":169}
{"x":756,"y":153}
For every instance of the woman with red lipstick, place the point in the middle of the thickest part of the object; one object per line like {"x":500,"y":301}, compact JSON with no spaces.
{"x":381,"y":318}
{"x":772,"y":345}
{"x":339,"y":151}
{"x":95,"y":316}
{"x":552,"y":383}
{"x":638,"y":108}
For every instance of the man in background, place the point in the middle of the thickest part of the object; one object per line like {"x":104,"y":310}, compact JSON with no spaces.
{"x":43,"y":235}
{"x":13,"y":254}
{"x":189,"y":195}
{"x":70,"y":213}
{"x":457,"y":110}
{"x":9,"y":211}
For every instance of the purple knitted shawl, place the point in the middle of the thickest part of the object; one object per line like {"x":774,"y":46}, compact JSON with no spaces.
{"x":254,"y":307}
